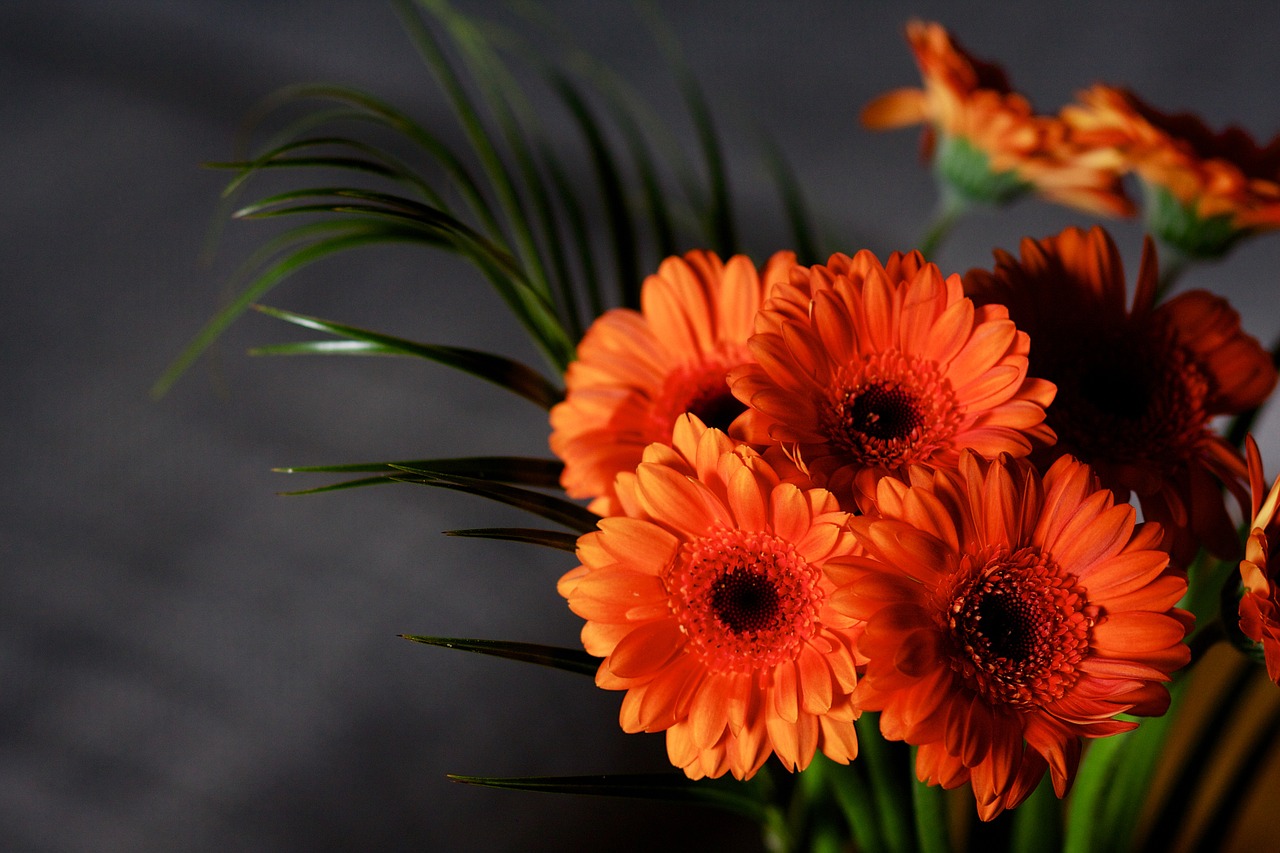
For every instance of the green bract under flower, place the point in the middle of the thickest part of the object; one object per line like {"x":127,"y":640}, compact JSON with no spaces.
{"x":966,"y":172}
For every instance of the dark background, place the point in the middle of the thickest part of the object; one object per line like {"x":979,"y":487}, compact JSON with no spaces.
{"x":189,"y":662}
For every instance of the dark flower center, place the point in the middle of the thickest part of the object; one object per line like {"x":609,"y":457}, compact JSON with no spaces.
{"x":881,"y":411}
{"x":716,"y":407}
{"x":888,"y":410}
{"x":1019,"y":626}
{"x":745,"y":601}
{"x":1118,"y":389}
{"x":1135,"y":401}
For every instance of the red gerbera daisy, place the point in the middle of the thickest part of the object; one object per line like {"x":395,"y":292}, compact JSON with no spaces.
{"x":1007,"y":618}
{"x":638,"y":371}
{"x":1137,"y":386}
{"x":1260,"y":605}
{"x":708,"y":603}
{"x":863,"y":369}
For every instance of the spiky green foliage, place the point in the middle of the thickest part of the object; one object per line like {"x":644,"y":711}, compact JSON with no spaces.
{"x":558,"y":246}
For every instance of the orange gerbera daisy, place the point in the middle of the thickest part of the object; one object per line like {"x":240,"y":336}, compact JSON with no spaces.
{"x":863,"y":369}
{"x":708,"y":603}
{"x":1137,"y":386}
{"x":1260,"y":605}
{"x":1007,"y":619}
{"x":984,"y":138}
{"x":638,"y":371}
{"x":1205,"y":189}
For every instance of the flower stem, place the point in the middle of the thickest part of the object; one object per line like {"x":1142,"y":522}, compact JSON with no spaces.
{"x":888,"y":784}
{"x":1173,"y":263}
{"x":950,"y":207}
{"x":854,"y":796}
{"x":930,"y":814}
{"x":1037,"y":823}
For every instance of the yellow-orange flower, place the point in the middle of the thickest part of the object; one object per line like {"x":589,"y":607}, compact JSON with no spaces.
{"x":971,"y":113}
{"x":1008,"y":617}
{"x":864,"y":368}
{"x":1206,"y":189}
{"x":638,"y":371}
{"x":708,"y":603}
{"x":1137,"y":387}
{"x":1259,"y":570}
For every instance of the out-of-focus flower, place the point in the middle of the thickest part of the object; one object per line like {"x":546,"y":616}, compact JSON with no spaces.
{"x":1260,"y":604}
{"x":862,"y":369}
{"x":1205,"y":189}
{"x":1137,"y":386}
{"x":638,"y":371}
{"x":985,"y":141}
{"x":708,"y":603}
{"x":1007,"y":619}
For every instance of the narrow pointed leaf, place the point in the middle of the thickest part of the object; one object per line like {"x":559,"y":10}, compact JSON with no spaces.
{"x":570,"y":660}
{"x":384,"y":114}
{"x":793,"y":203}
{"x":549,"y":538}
{"x":549,"y":507}
{"x":478,"y":134}
{"x":621,"y":223}
{"x":346,"y":238}
{"x":538,"y":473}
{"x":507,"y":373}
{"x":521,"y":470}
{"x":717,"y":793}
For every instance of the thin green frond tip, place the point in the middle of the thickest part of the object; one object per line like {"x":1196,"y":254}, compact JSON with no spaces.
{"x":552,"y":508}
{"x":570,"y":660}
{"x":516,"y":377}
{"x":528,"y":535}
{"x":718,"y":793}
{"x":524,"y":470}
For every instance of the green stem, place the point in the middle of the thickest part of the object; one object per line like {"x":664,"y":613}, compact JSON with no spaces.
{"x":1088,"y":797}
{"x":1037,"y":823}
{"x":888,"y":784}
{"x":1172,"y":264}
{"x":854,"y":797}
{"x":950,"y":208}
{"x":930,"y":811}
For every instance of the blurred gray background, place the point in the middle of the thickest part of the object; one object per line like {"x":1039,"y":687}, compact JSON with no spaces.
{"x":190,"y":662}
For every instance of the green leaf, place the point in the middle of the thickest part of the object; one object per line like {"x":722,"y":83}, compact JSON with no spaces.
{"x":352,"y":234}
{"x":717,"y":793}
{"x":524,"y":470}
{"x":570,"y":660}
{"x":507,"y":373}
{"x":719,"y":212}
{"x":549,"y":538}
{"x":385,"y":115}
{"x":478,"y":134}
{"x":552,"y":508}
{"x":538,"y":473}
{"x":793,"y":204}
{"x":609,"y":179}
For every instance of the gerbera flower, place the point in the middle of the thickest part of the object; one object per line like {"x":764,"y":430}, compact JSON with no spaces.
{"x":1007,"y":619}
{"x":1205,"y":189}
{"x":1259,"y":570}
{"x":708,"y":603}
{"x":863,"y":369}
{"x":638,"y":371}
{"x":986,"y":142}
{"x":1137,"y":386}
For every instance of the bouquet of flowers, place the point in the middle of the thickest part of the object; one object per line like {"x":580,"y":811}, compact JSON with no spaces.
{"x":849,"y":530}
